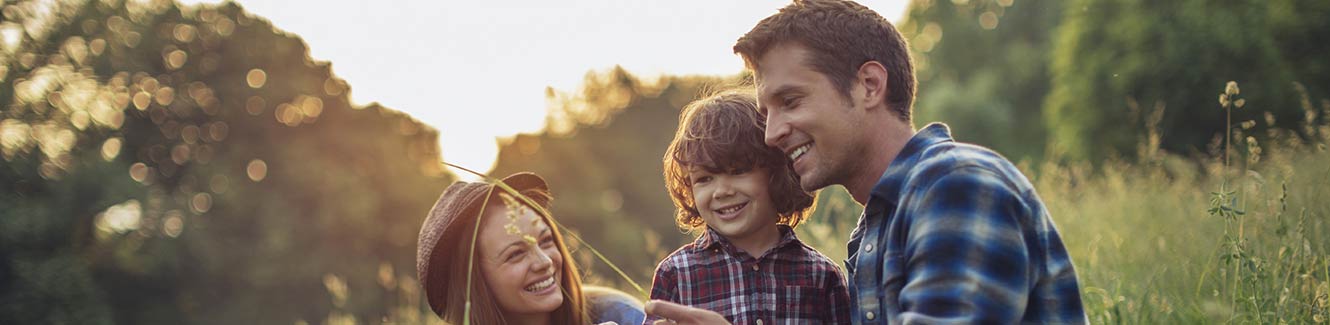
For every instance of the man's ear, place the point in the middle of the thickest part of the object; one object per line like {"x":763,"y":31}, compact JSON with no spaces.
{"x":872,"y":77}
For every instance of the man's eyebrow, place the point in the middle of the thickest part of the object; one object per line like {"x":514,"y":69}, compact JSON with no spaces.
{"x":780,"y":92}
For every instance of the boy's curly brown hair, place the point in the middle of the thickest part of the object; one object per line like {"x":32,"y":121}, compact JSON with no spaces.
{"x":724,"y":133}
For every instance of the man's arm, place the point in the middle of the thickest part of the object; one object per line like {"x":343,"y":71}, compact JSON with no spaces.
{"x":664,"y":312}
{"x":966,"y":255}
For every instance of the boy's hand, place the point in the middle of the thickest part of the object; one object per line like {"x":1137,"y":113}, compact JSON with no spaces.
{"x":679,"y":314}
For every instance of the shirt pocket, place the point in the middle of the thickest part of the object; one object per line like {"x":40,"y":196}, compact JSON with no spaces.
{"x":802,"y":305}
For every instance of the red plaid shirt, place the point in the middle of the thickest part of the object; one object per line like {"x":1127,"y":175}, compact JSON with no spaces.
{"x":790,"y":284}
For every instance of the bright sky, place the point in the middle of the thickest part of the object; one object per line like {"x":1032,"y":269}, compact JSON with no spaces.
{"x":477,"y":70}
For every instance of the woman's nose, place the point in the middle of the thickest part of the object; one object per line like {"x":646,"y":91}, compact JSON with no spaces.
{"x":543,"y":260}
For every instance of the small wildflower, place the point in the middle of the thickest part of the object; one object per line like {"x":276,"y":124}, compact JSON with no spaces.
{"x":1253,"y":150}
{"x":1231,"y":88}
{"x":1248,"y":124}
{"x":1240,"y":102}
{"x":1223,"y":100}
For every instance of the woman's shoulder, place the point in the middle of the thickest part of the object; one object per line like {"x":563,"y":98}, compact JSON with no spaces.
{"x":610,"y":305}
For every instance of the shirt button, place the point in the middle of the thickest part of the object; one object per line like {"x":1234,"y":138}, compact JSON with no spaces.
{"x":870,"y":315}
{"x":759,"y":322}
{"x":754,"y":267}
{"x":869,"y":248}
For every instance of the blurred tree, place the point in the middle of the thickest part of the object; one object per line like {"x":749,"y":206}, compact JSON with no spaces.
{"x":193,"y":165}
{"x":982,"y":68}
{"x":601,"y":153}
{"x":1180,"y":54}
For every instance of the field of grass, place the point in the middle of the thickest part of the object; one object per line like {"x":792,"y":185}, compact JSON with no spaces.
{"x":1149,"y":248}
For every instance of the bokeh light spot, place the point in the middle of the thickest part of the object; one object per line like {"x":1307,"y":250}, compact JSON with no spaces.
{"x":256,"y":78}
{"x":139,"y":172}
{"x":141,"y":100}
{"x":111,"y":149}
{"x":255,"y":105}
{"x":256,"y":170}
{"x":988,"y":20}
{"x":165,"y":96}
{"x":174,"y":224}
{"x":176,"y":59}
{"x":190,"y":134}
{"x":201,"y":203}
{"x":180,"y":154}
{"x":184,"y":33}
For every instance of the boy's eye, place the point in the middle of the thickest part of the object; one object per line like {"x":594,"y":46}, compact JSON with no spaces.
{"x":701,"y":179}
{"x":547,"y":242}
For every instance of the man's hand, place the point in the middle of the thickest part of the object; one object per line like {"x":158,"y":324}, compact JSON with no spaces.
{"x":679,"y":314}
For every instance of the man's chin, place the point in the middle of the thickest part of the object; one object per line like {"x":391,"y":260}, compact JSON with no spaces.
{"x":812,"y":181}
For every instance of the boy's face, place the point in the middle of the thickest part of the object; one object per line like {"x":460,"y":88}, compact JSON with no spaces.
{"x":735,"y":204}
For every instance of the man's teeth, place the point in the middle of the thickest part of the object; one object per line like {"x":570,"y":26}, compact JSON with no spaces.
{"x":542,"y":285}
{"x":799,"y":151}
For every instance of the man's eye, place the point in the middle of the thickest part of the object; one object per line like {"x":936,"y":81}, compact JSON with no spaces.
{"x":547,"y":242}
{"x":791,"y":103}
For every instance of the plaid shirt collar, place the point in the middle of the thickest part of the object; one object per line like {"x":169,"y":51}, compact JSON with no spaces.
{"x":711,"y":238}
{"x":888,"y":188}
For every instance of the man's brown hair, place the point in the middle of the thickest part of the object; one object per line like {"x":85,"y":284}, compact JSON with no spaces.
{"x":840,"y":37}
{"x":724,"y":133}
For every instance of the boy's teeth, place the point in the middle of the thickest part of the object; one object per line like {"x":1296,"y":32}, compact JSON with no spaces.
{"x":731,"y":209}
{"x":799,"y":152}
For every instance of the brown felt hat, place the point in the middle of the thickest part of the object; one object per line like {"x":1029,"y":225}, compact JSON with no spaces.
{"x":458,"y":208}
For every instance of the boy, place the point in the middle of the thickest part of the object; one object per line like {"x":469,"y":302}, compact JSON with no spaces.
{"x":742,"y":195}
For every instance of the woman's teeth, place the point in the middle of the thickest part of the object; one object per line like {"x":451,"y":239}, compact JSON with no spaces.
{"x":542,"y":285}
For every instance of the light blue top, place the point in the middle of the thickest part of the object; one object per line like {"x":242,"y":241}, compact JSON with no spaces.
{"x":609,"y":305}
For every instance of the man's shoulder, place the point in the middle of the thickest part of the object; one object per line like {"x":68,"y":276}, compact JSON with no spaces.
{"x":963,"y":160}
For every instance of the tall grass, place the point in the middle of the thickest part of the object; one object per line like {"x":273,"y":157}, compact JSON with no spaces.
{"x":1168,"y":239}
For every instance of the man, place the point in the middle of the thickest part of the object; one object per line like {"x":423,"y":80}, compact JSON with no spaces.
{"x":951,"y":233}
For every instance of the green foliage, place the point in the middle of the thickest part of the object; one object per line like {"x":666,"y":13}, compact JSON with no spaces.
{"x":1109,"y":53}
{"x":989,"y":80}
{"x":168,"y":165}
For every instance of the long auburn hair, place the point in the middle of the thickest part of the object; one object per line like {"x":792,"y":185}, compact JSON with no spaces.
{"x":484,"y":309}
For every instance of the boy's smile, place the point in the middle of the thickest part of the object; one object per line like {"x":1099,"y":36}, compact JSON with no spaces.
{"x":737,"y":205}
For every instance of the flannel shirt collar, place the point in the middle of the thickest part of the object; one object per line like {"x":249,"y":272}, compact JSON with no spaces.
{"x":711,"y":238}
{"x":888,"y":187}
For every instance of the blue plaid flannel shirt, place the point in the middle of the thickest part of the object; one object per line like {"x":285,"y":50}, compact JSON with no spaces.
{"x":954,"y":233}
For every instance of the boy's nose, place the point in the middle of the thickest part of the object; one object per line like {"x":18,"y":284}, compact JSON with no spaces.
{"x":723,"y":190}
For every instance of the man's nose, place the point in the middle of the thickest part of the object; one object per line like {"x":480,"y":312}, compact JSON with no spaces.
{"x":776,"y":130}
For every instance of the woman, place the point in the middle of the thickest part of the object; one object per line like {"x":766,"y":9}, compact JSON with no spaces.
{"x":521,"y":272}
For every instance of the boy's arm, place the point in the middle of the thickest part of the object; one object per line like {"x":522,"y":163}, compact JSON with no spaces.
{"x":966,"y":258}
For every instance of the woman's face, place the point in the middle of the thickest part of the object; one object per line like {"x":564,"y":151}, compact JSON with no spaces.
{"x":519,"y":260}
